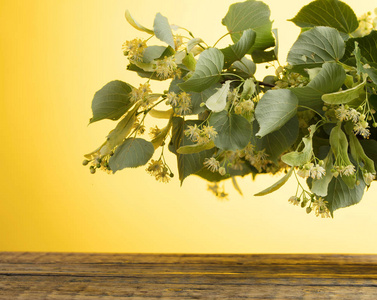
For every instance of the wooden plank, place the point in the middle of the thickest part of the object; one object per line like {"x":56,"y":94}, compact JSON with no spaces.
{"x":186,"y":276}
{"x":52,"y":257}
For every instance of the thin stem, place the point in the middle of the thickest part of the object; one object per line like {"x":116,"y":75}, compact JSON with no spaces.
{"x":220,"y":39}
{"x":149,"y":38}
{"x":312,"y":110}
{"x":146,"y":111}
{"x":298,"y":181}
{"x":235,"y":75}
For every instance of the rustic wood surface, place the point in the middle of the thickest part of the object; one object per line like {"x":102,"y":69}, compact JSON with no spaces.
{"x":186,"y":276}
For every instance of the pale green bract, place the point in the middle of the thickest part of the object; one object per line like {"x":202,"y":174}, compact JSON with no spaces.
{"x":313,"y":118}
{"x":217,"y":101}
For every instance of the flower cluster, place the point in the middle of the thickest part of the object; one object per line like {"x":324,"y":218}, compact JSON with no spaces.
{"x":181,"y":103}
{"x":244,"y":107}
{"x":345,"y":113}
{"x":98,"y":162}
{"x":315,"y":171}
{"x":142,"y":93}
{"x":348,"y":170}
{"x":366,"y":24}
{"x":285,"y":78}
{"x":166,"y":68}
{"x":159,"y":170}
{"x":200,"y":136}
{"x":134,"y":49}
{"x":311,"y":203}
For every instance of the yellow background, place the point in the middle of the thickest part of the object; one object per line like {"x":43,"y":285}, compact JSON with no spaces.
{"x":54,"y":55}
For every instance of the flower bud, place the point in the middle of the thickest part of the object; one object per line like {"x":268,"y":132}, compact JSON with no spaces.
{"x":222,"y":171}
{"x":85,"y":162}
{"x":308,"y":210}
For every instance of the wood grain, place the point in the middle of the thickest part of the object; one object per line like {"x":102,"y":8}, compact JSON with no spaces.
{"x":186,"y":276}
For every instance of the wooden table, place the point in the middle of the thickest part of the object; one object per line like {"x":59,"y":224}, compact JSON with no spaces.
{"x":187,"y":276}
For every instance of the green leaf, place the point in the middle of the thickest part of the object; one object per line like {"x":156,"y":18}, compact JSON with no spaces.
{"x":316,"y":46}
{"x":299,"y":158}
{"x":234,"y":131}
{"x":162,"y":30}
{"x":274,"y":109}
{"x":207,"y":71}
{"x":189,"y":149}
{"x":187,"y":163}
{"x":330,"y":13}
{"x":345,"y":96}
{"x":111,"y":101}
{"x":278,"y":141}
{"x":135,"y":24}
{"x":239,"y":49}
{"x":339,"y":195}
{"x":277,"y":185}
{"x":260,"y":56}
{"x":134,"y":152}
{"x":153,"y":52}
{"x":196,"y":98}
{"x":217,"y":101}
{"x":328,"y":80}
{"x":244,"y":67}
{"x":372,"y":72}
{"x":367,"y":45}
{"x":254,"y":15}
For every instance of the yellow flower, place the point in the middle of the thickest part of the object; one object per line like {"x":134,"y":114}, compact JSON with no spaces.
{"x":163,"y":175}
{"x":134,"y":49}
{"x":212,"y":164}
{"x":165,"y":67}
{"x":155,"y":167}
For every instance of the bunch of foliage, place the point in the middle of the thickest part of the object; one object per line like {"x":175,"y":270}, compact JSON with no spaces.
{"x":314,"y":118}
